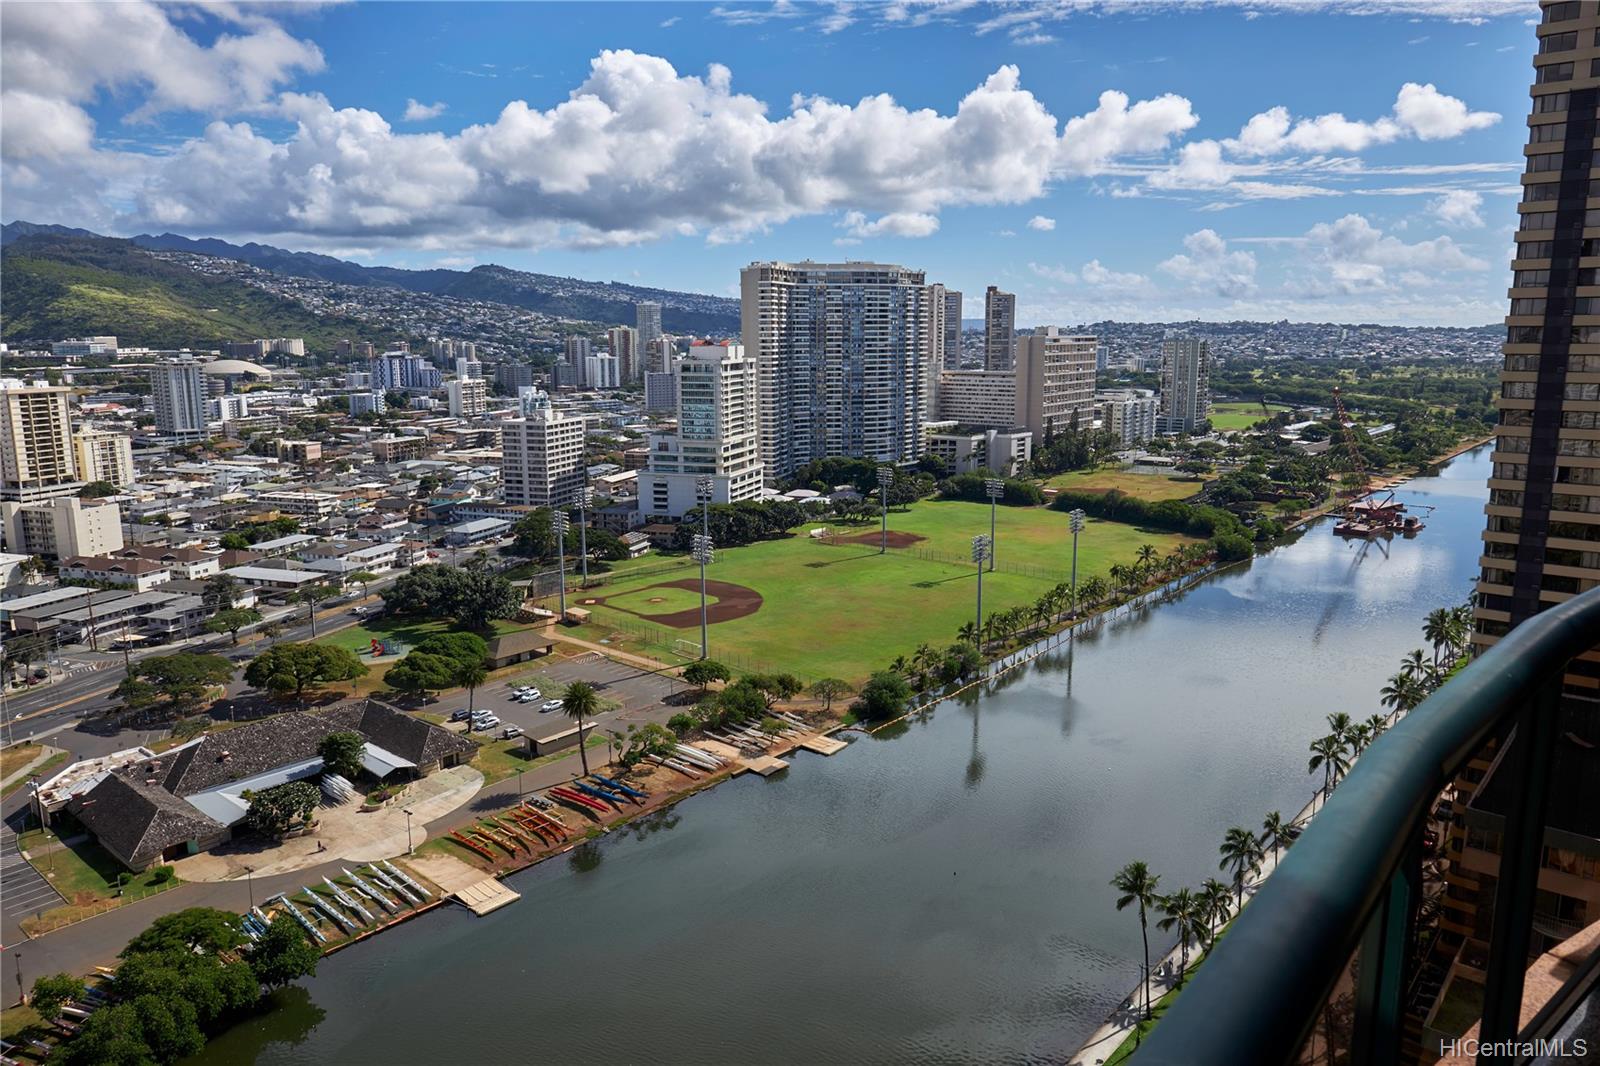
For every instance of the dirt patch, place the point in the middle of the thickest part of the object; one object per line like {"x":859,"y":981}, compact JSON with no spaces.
{"x":897,"y":538}
{"x":733,"y":601}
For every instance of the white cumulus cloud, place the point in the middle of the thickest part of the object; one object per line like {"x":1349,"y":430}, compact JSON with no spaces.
{"x":1420,"y":111}
{"x":1041,"y":223}
{"x":416,"y":111}
{"x":1459,"y":208}
{"x":1207,"y":264}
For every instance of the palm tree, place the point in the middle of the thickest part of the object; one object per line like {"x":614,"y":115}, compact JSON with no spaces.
{"x":1183,"y":910}
{"x":469,"y":674}
{"x":1278,"y":835}
{"x":1359,"y":736}
{"x":1215,"y":897}
{"x":1138,"y":885}
{"x":1043,"y":611}
{"x":1415,"y":664}
{"x":968,"y":633}
{"x":899,"y":666}
{"x":1378,"y":725}
{"x":1146,"y":555}
{"x":1339,"y":722}
{"x":1403,"y":692}
{"x":1328,"y":753}
{"x":1121,"y":576}
{"x":1436,"y":630}
{"x":580,"y":701}
{"x":1242,"y":851}
{"x":1092,"y":590}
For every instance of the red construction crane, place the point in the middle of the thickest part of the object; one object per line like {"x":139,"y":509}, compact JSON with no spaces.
{"x":1357,"y":464}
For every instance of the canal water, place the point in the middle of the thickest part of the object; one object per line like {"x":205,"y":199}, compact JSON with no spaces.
{"x":935,"y":896}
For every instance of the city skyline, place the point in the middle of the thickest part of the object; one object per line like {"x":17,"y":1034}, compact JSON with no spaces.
{"x":1134,"y":180}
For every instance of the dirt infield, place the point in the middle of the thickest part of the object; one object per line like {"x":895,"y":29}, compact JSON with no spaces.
{"x":897,"y":538}
{"x":732,"y":601}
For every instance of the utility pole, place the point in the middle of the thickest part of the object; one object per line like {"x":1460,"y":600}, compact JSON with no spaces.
{"x":995,"y":488}
{"x":981,"y":550}
{"x":585,"y":501}
{"x":1075,"y":521}
{"x":559,"y":521}
{"x":885,"y":478}
{"x":704,"y":554}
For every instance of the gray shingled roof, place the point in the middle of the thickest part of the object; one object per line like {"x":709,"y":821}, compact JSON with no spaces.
{"x":409,"y":737}
{"x":137,"y":821}
{"x":244,"y":752}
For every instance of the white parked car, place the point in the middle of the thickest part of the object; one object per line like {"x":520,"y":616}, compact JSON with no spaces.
{"x":550,"y":705}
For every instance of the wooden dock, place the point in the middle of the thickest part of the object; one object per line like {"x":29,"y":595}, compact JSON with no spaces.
{"x":823,"y":745}
{"x":765,"y":765}
{"x":484,"y":896}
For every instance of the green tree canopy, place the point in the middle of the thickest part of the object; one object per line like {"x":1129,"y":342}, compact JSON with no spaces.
{"x":884,"y":696}
{"x":51,"y":993}
{"x":276,"y":809}
{"x":292,"y":667}
{"x":341,"y":752}
{"x":232,"y":620}
{"x":283,"y":954}
{"x":705,"y":671}
{"x":420,"y":673}
{"x":95,"y":490}
{"x":184,"y":677}
{"x":471,"y":595}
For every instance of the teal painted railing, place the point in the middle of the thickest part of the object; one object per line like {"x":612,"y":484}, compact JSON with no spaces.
{"x":1353,"y":879}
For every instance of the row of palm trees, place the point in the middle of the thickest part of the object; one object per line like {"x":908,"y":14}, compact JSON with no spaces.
{"x":1198,"y":915}
{"x":1148,"y":566}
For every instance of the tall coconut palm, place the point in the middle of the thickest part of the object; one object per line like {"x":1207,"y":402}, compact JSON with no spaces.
{"x":1436,"y":630}
{"x":1277,"y":833}
{"x":1359,"y":736}
{"x":469,"y":674}
{"x":1403,"y":692}
{"x":1339,"y":722}
{"x":580,"y":701}
{"x":968,"y":633}
{"x":1043,"y":611}
{"x":1183,"y":912}
{"x":1242,"y":851}
{"x":1092,"y":590}
{"x":1146,"y":555}
{"x":1216,"y":897}
{"x":1121,"y":576}
{"x":1326,"y":754}
{"x":1378,"y":724}
{"x":1415,"y":664}
{"x":1138,"y":885}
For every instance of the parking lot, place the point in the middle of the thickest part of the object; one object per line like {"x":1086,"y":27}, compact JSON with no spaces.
{"x":639,"y":692}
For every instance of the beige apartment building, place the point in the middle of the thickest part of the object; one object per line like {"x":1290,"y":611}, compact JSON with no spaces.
{"x":61,"y":528}
{"x":37,"y":460}
{"x":1055,"y":377}
{"x":104,"y":456}
{"x":542,"y":462}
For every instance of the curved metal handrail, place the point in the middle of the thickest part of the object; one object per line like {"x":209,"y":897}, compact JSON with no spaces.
{"x":1258,"y":995}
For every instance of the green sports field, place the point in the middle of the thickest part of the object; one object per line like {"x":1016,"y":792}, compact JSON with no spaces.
{"x":1240,"y":415}
{"x":844,"y":611}
{"x":1152,"y":487}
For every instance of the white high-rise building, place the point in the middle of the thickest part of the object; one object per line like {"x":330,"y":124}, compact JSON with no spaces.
{"x":61,"y":528}
{"x":601,"y":372}
{"x":575,"y":353}
{"x":717,"y":436}
{"x":999,"y":329}
{"x":1130,"y":414}
{"x":979,"y":399}
{"x":367,"y":403}
{"x":1185,"y":384}
{"x":840,"y":351}
{"x":647,"y":322}
{"x":179,"y":394}
{"x":952,"y":331}
{"x":658,"y":354}
{"x":469,"y":397}
{"x":468,"y":368}
{"x":542,"y":461}
{"x":104,"y":456}
{"x":1055,"y":376}
{"x":624,"y":342}
{"x":37,"y":461}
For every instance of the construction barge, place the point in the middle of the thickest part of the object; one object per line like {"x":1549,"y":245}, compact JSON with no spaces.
{"x":1368,"y":518}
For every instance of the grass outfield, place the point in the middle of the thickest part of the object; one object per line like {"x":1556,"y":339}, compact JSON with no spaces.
{"x":666,"y":600}
{"x":847,"y":611}
{"x":1152,"y":487}
{"x":1240,"y":415}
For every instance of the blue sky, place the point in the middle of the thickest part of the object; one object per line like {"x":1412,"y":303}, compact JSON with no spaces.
{"x":670,"y":144}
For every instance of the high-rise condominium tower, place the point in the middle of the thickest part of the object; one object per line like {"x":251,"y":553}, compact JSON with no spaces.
{"x":624,"y":342}
{"x":841,"y":360}
{"x":575,"y":353}
{"x":1542,"y":541}
{"x":1185,"y":384}
{"x":541,"y":461}
{"x":1055,"y":376}
{"x":647,"y":320}
{"x":104,"y":456}
{"x":179,"y":394}
{"x":716,"y":435}
{"x":952,"y":331}
{"x":999,"y":329}
{"x":36,"y":456}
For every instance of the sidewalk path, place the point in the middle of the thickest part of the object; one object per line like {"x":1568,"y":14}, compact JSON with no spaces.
{"x":43,"y":757}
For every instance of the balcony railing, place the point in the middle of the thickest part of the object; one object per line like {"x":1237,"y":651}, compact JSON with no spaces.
{"x":1353,"y":879}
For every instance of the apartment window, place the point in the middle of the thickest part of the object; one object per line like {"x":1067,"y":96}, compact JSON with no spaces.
{"x":1536,"y":249}
{"x":1552,"y":102}
{"x":1512,"y":444}
{"x":1539,"y":220}
{"x":1564,"y":501}
{"x":1528,"y":279}
{"x":1574,"y":531}
{"x":1590,"y":391}
{"x":1550,"y":131}
{"x":1588,"y":364}
{"x":1522,"y":362}
{"x":1538,"y":194}
{"x":1527,"y":306}
{"x":1580,"y":420}
{"x":1511,"y":471}
{"x":1558,"y":42}
{"x":1560,"y":12}
{"x":1516,"y":418}
{"x":1577,"y":475}
{"x":1553,"y":73}
{"x":1544,"y":164}
{"x":1524,"y":334}
{"x":1493,"y":576}
{"x":1505,"y":497}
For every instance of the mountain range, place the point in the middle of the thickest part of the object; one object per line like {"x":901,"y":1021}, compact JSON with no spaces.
{"x":28,"y":245}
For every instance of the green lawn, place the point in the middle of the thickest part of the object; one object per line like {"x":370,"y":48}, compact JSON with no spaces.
{"x":504,"y":758}
{"x":407,"y":630}
{"x":1152,"y":487}
{"x":657,"y":600}
{"x":85,"y":869}
{"x":847,"y":611}
{"x":42,"y":772}
{"x":1240,"y":415}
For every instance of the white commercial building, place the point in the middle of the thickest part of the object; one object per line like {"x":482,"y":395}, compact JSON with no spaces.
{"x":717,"y":436}
{"x":966,"y":450}
{"x":575,"y":354}
{"x":104,"y":456}
{"x":984,"y":398}
{"x":37,"y":461}
{"x":1185,"y":384}
{"x":602,"y":372}
{"x":661,"y":390}
{"x":840,"y":351}
{"x":362,"y":403}
{"x":178,"y":392}
{"x":541,"y":462}
{"x":62,"y":528}
{"x":1130,"y":414}
{"x":469,"y":397}
{"x":468,"y":368}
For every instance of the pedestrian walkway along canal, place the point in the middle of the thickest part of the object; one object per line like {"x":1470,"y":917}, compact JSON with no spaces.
{"x":936,"y":895}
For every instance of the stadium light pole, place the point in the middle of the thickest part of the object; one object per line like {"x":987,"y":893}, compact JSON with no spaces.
{"x":980,"y":552}
{"x":994,"y":487}
{"x":1075,"y":519}
{"x":560,"y":522}
{"x":885,"y":478}
{"x":703,"y":486}
{"x":703,"y":554}
{"x":585,"y":501}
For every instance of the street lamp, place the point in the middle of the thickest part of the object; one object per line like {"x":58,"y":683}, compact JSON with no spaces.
{"x":703,"y":553}
{"x":994,"y":488}
{"x":585,"y":501}
{"x":250,"y":884}
{"x":409,"y":849}
{"x":885,"y":478}
{"x":982,"y":549}
{"x":1075,"y":519}
{"x":560,"y":523}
